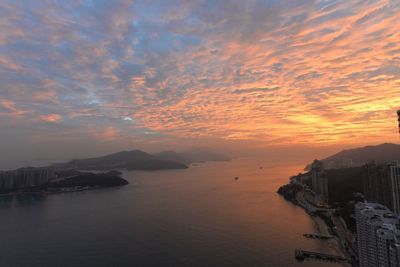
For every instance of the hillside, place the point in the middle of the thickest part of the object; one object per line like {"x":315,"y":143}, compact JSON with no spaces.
{"x":90,"y":180}
{"x":358,"y":156}
{"x":132,"y":160}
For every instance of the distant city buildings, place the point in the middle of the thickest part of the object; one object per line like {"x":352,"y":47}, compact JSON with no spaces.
{"x":378,"y":236}
{"x":25,"y":178}
{"x":319,"y":181}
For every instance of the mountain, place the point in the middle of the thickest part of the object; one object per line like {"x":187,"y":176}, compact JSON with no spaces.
{"x":131,"y":160}
{"x":358,"y":156}
{"x":193,"y":156}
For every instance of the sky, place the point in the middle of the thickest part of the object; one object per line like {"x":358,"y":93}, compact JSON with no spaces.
{"x":82,"y":77}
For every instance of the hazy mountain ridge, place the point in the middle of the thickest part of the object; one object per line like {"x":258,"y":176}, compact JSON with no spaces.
{"x":131,"y":160}
{"x":382,"y":153}
{"x":140,"y":160}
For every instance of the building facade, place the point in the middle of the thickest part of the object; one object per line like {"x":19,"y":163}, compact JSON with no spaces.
{"x":25,"y":178}
{"x":395,"y":183}
{"x":319,"y":181}
{"x":381,"y":184}
{"x":377,"y":184}
{"x":378,"y":236}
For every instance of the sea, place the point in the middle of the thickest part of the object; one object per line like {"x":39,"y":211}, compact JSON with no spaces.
{"x":201,"y":216}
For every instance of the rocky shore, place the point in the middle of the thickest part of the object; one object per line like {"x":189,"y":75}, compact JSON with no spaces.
{"x":289,"y":192}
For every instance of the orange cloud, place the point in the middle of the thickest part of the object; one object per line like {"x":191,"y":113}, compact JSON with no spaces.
{"x":282,"y":72}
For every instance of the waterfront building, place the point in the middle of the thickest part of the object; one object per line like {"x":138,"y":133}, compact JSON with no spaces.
{"x":319,"y":181}
{"x":378,"y":235}
{"x":25,"y":178}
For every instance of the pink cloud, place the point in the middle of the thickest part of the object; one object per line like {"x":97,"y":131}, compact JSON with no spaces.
{"x":52,"y":118}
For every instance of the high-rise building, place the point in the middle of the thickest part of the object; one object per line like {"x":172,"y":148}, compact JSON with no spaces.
{"x":377,"y":184}
{"x":25,"y":178}
{"x":378,"y":236}
{"x":381,"y":184}
{"x":319,"y":181}
{"x":395,"y":183}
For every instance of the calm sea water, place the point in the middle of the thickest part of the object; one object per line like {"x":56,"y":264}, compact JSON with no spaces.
{"x":194,"y":217}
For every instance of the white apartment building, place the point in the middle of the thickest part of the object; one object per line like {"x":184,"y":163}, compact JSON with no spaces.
{"x":378,"y":236}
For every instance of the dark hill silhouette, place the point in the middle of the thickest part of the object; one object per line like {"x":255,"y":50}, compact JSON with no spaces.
{"x":383,"y":153}
{"x":132,"y":160}
{"x":90,"y":180}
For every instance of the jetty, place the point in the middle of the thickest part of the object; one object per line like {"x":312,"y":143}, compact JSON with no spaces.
{"x":301,"y":255}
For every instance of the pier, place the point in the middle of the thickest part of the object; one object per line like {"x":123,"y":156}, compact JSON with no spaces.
{"x":303,"y":254}
{"x":318,"y":236}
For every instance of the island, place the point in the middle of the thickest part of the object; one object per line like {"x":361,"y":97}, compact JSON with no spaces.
{"x":97,"y":172}
{"x":129,"y":160}
{"x":142,"y":161}
{"x":88,"y":180}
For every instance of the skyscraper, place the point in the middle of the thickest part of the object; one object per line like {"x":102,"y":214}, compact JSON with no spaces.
{"x":378,"y":236}
{"x":25,"y":178}
{"x":377,"y":184}
{"x":319,"y":181}
{"x":381,"y":184}
{"x":395,"y":183}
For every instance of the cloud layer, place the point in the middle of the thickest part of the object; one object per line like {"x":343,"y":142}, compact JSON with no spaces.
{"x":280,"y":72}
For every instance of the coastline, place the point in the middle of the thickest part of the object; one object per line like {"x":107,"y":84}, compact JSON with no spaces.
{"x":297,"y":197}
{"x":322,"y":228}
{"x":55,"y":191}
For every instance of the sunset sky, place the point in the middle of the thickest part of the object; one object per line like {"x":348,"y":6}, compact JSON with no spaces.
{"x":81,"y":77}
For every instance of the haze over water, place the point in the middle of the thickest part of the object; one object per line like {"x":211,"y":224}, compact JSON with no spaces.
{"x":194,"y":217}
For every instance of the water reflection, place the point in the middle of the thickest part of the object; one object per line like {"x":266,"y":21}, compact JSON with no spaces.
{"x":194,"y":217}
{"x":21,"y":199}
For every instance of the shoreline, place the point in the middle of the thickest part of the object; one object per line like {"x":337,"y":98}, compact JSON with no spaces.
{"x":322,"y":228}
{"x":58,"y":191}
{"x":298,"y":199}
